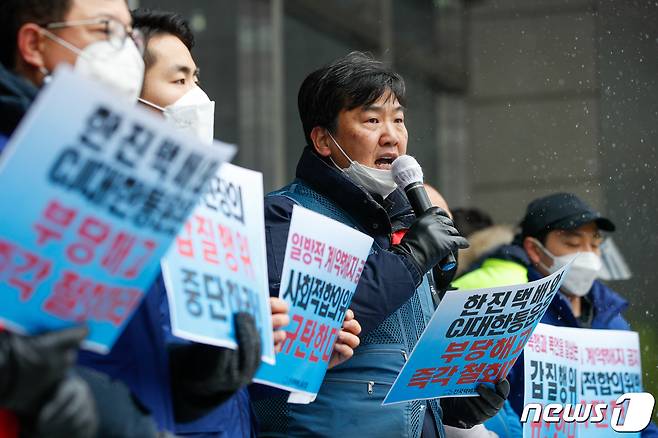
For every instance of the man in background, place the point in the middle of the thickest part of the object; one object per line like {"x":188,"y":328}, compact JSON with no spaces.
{"x":555,"y":229}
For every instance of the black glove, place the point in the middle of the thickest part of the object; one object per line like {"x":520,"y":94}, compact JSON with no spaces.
{"x":466,"y":412}
{"x":31,"y":366}
{"x":204,"y":376}
{"x":429,"y":240}
{"x":69,"y":413}
{"x":443,"y":279}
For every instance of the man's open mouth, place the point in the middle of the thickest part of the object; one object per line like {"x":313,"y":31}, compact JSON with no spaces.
{"x":384,"y":162}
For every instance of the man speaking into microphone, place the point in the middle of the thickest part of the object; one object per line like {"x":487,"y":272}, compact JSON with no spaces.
{"x":352,"y":114}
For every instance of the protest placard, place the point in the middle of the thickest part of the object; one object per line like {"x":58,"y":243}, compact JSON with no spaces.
{"x":323,"y":264}
{"x":473,"y":337}
{"x":217,"y":265}
{"x":94,"y":191}
{"x":577,"y":369}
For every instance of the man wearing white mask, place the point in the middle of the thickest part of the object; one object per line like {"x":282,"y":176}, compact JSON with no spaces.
{"x":171,"y":80}
{"x":353,"y":118}
{"x":95,"y":36}
{"x":555,"y":229}
{"x":199,"y":387}
{"x":39,"y":385}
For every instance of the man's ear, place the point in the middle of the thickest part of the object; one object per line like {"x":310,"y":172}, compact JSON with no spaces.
{"x":29,"y":46}
{"x":321,"y":140}
{"x":530,"y":247}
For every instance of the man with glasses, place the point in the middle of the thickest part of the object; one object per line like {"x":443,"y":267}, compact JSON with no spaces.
{"x":37,"y":382}
{"x":93,"y":35}
{"x":554,"y":230}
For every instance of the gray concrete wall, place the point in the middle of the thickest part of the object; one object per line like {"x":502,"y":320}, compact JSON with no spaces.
{"x":533,"y":103}
{"x":628,"y":147}
{"x":563,"y":96}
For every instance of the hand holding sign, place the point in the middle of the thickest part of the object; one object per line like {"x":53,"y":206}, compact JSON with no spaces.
{"x":204,"y":376}
{"x":323,"y":264}
{"x":38,"y":362}
{"x":474,"y":337}
{"x":347,"y":341}
{"x":466,"y":412}
{"x":217,"y":265}
{"x":109,"y":187}
{"x":280,"y":319}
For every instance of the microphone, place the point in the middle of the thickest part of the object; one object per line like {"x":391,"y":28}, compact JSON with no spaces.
{"x":408,"y":175}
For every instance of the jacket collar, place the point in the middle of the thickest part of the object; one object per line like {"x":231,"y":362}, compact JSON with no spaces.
{"x":373,"y":213}
{"x":16,"y":96}
{"x":607,"y":303}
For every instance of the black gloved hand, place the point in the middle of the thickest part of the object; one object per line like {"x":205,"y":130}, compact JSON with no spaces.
{"x":69,"y":413}
{"x":31,"y":366}
{"x":443,"y":279}
{"x":204,"y":376}
{"x":429,"y":240}
{"x":466,"y":412}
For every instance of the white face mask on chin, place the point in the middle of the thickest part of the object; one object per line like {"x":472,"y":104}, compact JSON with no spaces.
{"x":122,"y":69}
{"x":582,"y":274}
{"x":376,"y":181}
{"x":194,"y":113}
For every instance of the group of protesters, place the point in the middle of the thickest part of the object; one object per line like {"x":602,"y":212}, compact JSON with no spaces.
{"x":352,"y":113}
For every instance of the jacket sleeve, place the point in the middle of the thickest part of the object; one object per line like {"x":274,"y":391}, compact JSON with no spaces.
{"x":386,"y":282}
{"x":505,"y":424}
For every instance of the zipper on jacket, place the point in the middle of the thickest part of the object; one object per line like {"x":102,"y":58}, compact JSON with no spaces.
{"x":371,"y":386}
{"x":404,"y":354}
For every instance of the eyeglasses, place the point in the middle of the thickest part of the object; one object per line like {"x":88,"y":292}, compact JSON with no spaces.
{"x":115,"y":30}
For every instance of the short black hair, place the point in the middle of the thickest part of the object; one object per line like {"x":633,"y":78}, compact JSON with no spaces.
{"x":152,"y":23}
{"x":349,"y":82}
{"x":15,"y":13}
{"x":469,"y":220}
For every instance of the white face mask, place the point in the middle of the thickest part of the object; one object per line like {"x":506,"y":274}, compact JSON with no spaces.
{"x":194,"y":113}
{"x":379,"y":181}
{"x":122,"y":69}
{"x":582,"y":274}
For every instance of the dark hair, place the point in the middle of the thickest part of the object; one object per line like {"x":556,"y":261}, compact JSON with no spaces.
{"x":541,"y":236}
{"x":469,"y":220}
{"x":349,"y":82}
{"x":152,"y":23}
{"x":15,"y":13}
